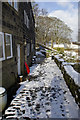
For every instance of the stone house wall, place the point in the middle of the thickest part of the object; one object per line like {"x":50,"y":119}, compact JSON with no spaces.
{"x":13,"y":23}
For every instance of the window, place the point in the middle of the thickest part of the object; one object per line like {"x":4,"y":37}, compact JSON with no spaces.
{"x":8,"y":45}
{"x":26,"y":19}
{"x":28,"y":1}
{"x":32,"y":48}
{"x":27,"y":22}
{"x":31,"y":13}
{"x":28,"y":49}
{"x":16,"y":5}
{"x":2,"y":50}
{"x":13,"y":3}
{"x":10,"y":2}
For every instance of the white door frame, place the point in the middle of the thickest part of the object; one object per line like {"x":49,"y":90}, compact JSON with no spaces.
{"x":18,"y":55}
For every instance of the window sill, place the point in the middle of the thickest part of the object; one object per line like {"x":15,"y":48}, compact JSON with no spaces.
{"x":2,"y":59}
{"x":9,"y":57}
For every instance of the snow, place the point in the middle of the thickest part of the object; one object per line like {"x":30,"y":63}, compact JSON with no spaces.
{"x":43,"y":51}
{"x":39,"y":53}
{"x":34,"y":57}
{"x":58,"y":45}
{"x":32,"y":68}
{"x":57,"y":56}
{"x":25,"y":82}
{"x":73,"y":46}
{"x":74,"y":75}
{"x":45,"y":96}
{"x":70,"y":70}
{"x":61,"y":60}
{"x":71,"y":54}
{"x":22,"y":86}
{"x":67,"y":63}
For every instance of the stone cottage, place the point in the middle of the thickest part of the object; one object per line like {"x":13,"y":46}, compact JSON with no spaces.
{"x":17,"y":40}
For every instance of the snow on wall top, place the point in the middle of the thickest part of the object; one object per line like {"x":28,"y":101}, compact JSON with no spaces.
{"x":74,"y":75}
{"x":58,"y":58}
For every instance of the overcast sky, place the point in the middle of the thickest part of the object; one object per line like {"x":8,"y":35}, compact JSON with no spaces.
{"x":66,"y":11}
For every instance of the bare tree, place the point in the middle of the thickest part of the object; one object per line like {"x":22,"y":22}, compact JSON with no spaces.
{"x":50,"y":28}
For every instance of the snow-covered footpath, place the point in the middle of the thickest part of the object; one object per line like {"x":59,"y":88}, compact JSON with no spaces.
{"x":46,"y":95}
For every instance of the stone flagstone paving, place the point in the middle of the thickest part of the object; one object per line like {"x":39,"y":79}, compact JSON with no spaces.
{"x":46,"y":95}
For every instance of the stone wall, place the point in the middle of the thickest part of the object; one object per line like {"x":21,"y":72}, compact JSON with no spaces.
{"x":72,"y":78}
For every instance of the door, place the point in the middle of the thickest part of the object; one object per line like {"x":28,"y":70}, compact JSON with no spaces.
{"x":18,"y":64}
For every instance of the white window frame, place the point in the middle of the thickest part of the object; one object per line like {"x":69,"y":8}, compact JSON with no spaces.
{"x":26,"y":19}
{"x":3,"y":58}
{"x":10,"y":46}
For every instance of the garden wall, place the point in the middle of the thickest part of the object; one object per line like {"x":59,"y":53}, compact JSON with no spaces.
{"x":71,"y":77}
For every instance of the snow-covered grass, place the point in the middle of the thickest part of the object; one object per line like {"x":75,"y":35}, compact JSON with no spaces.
{"x":68,"y":56}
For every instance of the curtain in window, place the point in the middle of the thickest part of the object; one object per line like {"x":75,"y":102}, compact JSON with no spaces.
{"x":28,"y":49}
{"x":8,"y":45}
{"x":16,"y":5}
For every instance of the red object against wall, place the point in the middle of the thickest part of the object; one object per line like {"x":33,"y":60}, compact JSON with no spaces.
{"x":27,"y":68}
